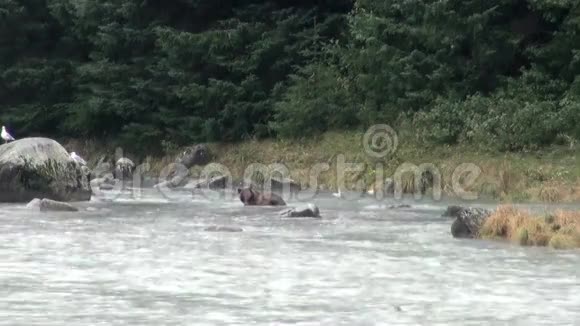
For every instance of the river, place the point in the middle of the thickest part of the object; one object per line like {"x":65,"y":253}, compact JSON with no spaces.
{"x":148,"y":261}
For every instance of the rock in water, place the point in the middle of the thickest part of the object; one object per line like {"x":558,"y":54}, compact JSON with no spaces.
{"x":453,"y":211}
{"x":105,"y":183}
{"x":102,"y":169}
{"x":195,"y":155}
{"x":469,"y":221}
{"x":220,"y":228}
{"x":218,"y":182}
{"x":57,"y":206}
{"x":309,"y":210}
{"x":34,"y":204}
{"x":124,"y":169}
{"x":399,"y":206}
{"x":40,"y":168}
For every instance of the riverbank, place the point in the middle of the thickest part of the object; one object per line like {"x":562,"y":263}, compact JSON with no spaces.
{"x":551,"y":175}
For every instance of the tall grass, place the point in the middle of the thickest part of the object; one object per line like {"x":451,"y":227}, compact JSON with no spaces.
{"x":560,"y":230}
{"x":551,"y":175}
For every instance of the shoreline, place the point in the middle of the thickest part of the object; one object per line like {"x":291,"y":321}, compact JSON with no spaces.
{"x":550,"y":175}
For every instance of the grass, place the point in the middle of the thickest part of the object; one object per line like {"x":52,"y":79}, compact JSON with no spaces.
{"x":551,"y":175}
{"x":560,"y":230}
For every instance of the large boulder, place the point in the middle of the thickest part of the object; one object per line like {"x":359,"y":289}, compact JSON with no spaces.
{"x":194,"y":155}
{"x":40,"y":168}
{"x":469,"y":221}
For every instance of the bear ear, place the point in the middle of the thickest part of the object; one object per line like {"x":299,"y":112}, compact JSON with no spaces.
{"x":239,"y":190}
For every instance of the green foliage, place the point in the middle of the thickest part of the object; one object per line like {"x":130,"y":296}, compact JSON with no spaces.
{"x":151,"y":73}
{"x":147,"y":74}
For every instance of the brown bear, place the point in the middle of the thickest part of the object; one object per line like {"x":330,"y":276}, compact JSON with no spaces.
{"x":251,"y":197}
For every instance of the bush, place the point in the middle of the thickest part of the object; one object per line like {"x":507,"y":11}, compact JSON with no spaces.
{"x":515,"y":118}
{"x":317,"y":101}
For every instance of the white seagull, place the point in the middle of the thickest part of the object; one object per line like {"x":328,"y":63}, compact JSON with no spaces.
{"x":6,"y":136}
{"x":338,"y":194}
{"x":77,"y":158}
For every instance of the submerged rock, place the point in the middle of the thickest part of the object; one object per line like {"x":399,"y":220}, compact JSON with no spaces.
{"x":309,"y":210}
{"x":399,"y":206}
{"x":223,"y":228}
{"x":45,"y":205}
{"x":469,"y":221}
{"x":40,"y":168}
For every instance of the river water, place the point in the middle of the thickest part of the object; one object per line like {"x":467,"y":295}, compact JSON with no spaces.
{"x":147,"y":260}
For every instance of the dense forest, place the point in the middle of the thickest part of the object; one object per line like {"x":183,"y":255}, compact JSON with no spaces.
{"x":155,"y":74}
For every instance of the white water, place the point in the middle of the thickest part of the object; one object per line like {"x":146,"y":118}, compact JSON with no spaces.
{"x":150,"y":262}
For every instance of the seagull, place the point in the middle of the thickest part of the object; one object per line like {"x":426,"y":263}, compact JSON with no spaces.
{"x":338,"y":194}
{"x":77,"y":158}
{"x":6,"y":136}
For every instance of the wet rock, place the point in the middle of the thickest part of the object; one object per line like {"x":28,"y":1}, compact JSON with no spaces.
{"x":223,"y":228}
{"x":453,"y":211}
{"x":175,"y":182}
{"x":53,"y":205}
{"x":194,"y":155}
{"x":40,"y":168}
{"x":106,"y":182}
{"x":107,"y":186}
{"x":389,"y":186}
{"x":469,"y":221}
{"x":34,"y":204}
{"x":124,"y":169}
{"x":177,"y":176}
{"x":219,"y":182}
{"x":309,"y":210}
{"x":399,"y":206}
{"x":102,"y":169}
